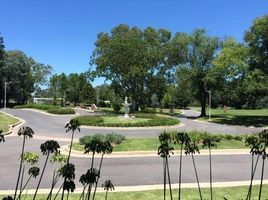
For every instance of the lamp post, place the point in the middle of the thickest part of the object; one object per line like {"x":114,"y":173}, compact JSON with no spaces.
{"x":209,"y":101}
{"x":5,"y":97}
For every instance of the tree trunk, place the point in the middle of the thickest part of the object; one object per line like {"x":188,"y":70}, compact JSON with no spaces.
{"x":203,"y":105}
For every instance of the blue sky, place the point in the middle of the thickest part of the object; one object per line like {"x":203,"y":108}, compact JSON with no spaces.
{"x":62,"y":33}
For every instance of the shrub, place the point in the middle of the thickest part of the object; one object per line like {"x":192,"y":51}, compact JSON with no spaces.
{"x":61,"y":111}
{"x":117,"y":103}
{"x":37,"y":106}
{"x":115,"y":138}
{"x":112,"y":137}
{"x":90,"y":120}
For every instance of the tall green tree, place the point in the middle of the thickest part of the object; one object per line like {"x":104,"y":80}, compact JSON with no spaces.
{"x":19,"y":76}
{"x":257,"y":40}
{"x":129,"y":57}
{"x":202,"y":50}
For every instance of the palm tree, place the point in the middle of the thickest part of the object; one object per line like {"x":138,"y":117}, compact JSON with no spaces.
{"x":60,"y":159}
{"x":164,"y":151}
{"x":26,"y":132}
{"x":253,"y":142}
{"x":27,"y":158}
{"x":94,"y":146}
{"x":106,"y":148}
{"x":68,"y":173}
{"x":50,"y":146}
{"x":2,"y":137}
{"x":192,"y":148}
{"x":33,"y":173}
{"x":210,"y":141}
{"x":73,"y":125}
{"x":263,"y":136}
{"x":181,"y":138}
{"x":108,"y":185}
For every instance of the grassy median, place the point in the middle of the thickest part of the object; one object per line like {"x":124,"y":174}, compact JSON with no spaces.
{"x":6,"y":121}
{"x":257,"y":118}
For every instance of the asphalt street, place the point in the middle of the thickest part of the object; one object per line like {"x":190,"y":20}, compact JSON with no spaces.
{"x":123,"y":171}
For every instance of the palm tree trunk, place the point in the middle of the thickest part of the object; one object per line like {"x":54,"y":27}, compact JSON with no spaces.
{"x":197,"y":180}
{"x":18,"y":179}
{"x":253,"y":170}
{"x":210,"y":174}
{"x":164,"y":167}
{"x":90,"y":185}
{"x":58,"y":191}
{"x":169,"y":182}
{"x":25,"y":186}
{"x":21,"y":181}
{"x":38,"y":185}
{"x":98,"y":177}
{"x":71,"y":145}
{"x":54,"y":182}
{"x":68,"y":159}
{"x":83,"y":193}
{"x":179,"y":196}
{"x":106,"y":195}
{"x":262,"y":173}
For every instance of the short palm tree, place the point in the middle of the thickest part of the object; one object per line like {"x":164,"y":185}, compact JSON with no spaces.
{"x":25,"y":132}
{"x":68,"y":173}
{"x":263,"y":136}
{"x":192,"y":148}
{"x":210,"y":141}
{"x":60,"y":160}
{"x":47,"y":148}
{"x":108,"y":185}
{"x":2,"y":137}
{"x":33,"y":173}
{"x":94,"y":145}
{"x":27,"y":158}
{"x":72,"y":125}
{"x":105,"y":148}
{"x":181,"y":138}
{"x":253,"y":142}
{"x":164,"y":151}
{"x":87,"y":180}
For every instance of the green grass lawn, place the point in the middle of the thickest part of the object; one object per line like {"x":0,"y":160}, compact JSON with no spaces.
{"x":258,"y":118}
{"x":230,"y":193}
{"x":152,"y":144}
{"x":5,"y":121}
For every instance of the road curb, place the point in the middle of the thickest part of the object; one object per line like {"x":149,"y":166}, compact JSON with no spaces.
{"x":46,"y":113}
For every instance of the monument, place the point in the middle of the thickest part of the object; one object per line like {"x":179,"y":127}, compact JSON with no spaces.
{"x":126,"y":106}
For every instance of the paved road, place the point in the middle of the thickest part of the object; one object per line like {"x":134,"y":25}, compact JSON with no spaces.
{"x":50,"y":125}
{"x":128,"y":171}
{"x":123,"y":171}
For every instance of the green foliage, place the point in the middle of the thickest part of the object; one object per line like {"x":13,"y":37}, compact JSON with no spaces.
{"x":130,"y":58}
{"x":153,"y":120}
{"x":117,"y":104}
{"x":257,"y":39}
{"x":37,"y":106}
{"x":112,"y":137}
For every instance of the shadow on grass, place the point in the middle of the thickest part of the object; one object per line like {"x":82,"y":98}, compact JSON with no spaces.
{"x":257,"y":121}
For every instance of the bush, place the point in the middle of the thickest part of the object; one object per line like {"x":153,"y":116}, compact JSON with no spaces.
{"x":117,"y":103}
{"x":37,"y":106}
{"x":154,"y":120}
{"x":90,"y":120}
{"x":112,"y":137}
{"x":115,"y":138}
{"x":61,"y":111}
